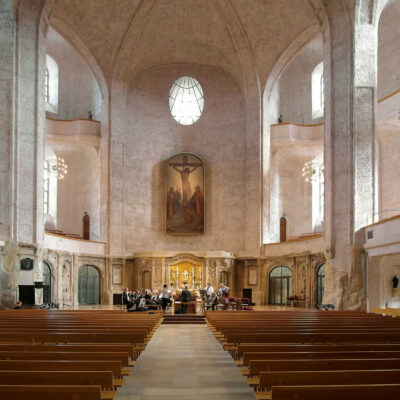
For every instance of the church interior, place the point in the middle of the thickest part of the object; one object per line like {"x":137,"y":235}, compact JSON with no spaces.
{"x":148,"y":146}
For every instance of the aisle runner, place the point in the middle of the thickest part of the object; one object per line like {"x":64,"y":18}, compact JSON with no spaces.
{"x":185,"y":362}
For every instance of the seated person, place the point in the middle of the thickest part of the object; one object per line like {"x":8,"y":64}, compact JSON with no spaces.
{"x":18,"y":305}
{"x":214,"y":300}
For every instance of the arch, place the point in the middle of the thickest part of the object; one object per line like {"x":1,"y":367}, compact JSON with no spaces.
{"x":47,"y":283}
{"x":75,"y":40}
{"x":320,"y":277}
{"x":146,"y":280}
{"x":280,"y":281}
{"x":224,"y":277}
{"x":268,"y":224}
{"x":89,"y":284}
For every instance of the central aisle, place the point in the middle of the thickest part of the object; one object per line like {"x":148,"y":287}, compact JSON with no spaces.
{"x":185,"y":362}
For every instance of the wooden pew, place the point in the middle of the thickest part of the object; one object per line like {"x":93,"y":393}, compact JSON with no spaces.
{"x":58,"y":355}
{"x":247,"y":357}
{"x":260,"y":347}
{"x":306,"y":378}
{"x":21,"y":347}
{"x":104,"y":379}
{"x":80,"y":349}
{"x":44,"y":392}
{"x":327,"y":337}
{"x":257,"y":366}
{"x":342,"y":392}
{"x":51,"y":337}
{"x":60,"y":365}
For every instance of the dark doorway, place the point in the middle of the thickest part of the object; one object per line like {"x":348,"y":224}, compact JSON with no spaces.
{"x":320,"y":284}
{"x":27,"y":294}
{"x":279,"y":285}
{"x":46,"y":283}
{"x":88,"y":285}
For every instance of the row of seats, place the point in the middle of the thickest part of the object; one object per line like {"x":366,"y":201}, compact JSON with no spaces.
{"x":70,"y":355}
{"x":313,"y":354}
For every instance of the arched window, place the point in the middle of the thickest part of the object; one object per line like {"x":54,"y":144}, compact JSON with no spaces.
{"x":51,"y":85}
{"x":318,"y":194}
{"x":46,"y":188}
{"x":46,"y":86}
{"x":317,"y":88}
{"x":186,"y":100}
{"x":320,"y":283}
{"x":279,"y":285}
{"x":46,"y":283}
{"x":50,"y":186}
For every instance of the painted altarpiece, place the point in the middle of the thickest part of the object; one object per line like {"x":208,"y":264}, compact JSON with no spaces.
{"x":185,"y":195}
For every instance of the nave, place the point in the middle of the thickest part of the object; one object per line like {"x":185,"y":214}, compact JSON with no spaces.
{"x":185,"y":362}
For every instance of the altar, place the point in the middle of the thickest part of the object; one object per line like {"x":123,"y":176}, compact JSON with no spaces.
{"x":185,"y":273}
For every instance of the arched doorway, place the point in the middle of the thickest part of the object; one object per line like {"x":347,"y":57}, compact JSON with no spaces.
{"x":146,"y":280}
{"x":279,"y":285}
{"x":320,"y":283}
{"x":88,"y":285}
{"x":46,"y":283}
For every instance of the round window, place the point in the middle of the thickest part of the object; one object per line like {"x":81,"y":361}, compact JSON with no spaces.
{"x":186,"y":100}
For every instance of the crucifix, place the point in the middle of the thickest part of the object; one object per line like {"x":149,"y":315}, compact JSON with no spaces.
{"x":187,"y":169}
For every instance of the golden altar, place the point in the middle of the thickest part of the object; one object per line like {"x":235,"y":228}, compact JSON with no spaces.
{"x":185,"y":273}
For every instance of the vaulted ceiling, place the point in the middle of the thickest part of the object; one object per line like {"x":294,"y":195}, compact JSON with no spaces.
{"x":239,"y":36}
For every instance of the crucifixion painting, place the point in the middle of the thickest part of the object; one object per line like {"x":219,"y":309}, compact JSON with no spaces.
{"x":185,"y":195}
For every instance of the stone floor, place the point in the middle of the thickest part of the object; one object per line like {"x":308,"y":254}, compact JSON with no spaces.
{"x":185,"y":362}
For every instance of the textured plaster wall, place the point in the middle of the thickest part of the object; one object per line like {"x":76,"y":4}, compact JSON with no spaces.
{"x":381,"y":272}
{"x":79,"y":91}
{"x":295,"y":85}
{"x":79,"y":191}
{"x":389,"y":50}
{"x":6,"y":84}
{"x":389,"y":160}
{"x":295,"y":194}
{"x":149,"y":135}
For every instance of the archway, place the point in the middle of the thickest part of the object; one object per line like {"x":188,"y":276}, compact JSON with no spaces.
{"x":320,"y":283}
{"x":224,"y":277}
{"x":280,"y":279}
{"x":46,"y":283}
{"x":88,"y":285}
{"x":146,"y":280}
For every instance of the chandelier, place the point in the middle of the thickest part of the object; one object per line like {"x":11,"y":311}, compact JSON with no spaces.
{"x":59,"y":169}
{"x":312,"y":170}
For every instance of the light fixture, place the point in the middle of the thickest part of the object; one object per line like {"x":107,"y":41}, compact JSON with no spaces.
{"x":312,"y":170}
{"x":59,"y":169}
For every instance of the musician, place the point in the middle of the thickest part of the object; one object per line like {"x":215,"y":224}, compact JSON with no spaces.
{"x":209,"y":290}
{"x":185,"y":298}
{"x":223,"y":290}
{"x":214,"y":300}
{"x":165,"y":297}
{"x":126,"y":299}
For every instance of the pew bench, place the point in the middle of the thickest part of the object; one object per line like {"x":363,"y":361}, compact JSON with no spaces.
{"x":305,"y":378}
{"x":45,"y":392}
{"x":258,"y":366}
{"x":342,"y":392}
{"x":247,"y":357}
{"x":104,"y":379}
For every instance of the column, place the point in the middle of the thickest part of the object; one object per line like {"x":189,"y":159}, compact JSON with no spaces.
{"x":350,"y":108}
